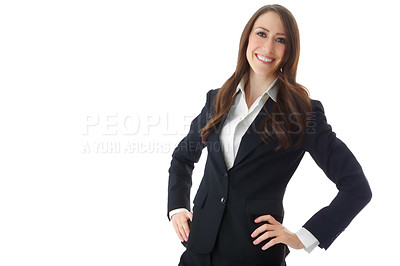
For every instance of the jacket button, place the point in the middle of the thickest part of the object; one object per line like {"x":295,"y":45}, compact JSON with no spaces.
{"x":223,"y":200}
{"x":226,"y":174}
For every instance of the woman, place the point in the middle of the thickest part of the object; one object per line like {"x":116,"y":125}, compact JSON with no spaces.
{"x":256,"y":128}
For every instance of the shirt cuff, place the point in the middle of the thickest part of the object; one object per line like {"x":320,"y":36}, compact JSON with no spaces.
{"x":309,"y":241}
{"x":177,"y":211}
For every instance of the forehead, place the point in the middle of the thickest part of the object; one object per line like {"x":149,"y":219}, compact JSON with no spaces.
{"x":270,"y":21}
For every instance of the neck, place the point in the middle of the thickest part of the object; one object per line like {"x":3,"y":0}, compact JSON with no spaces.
{"x":257,"y":84}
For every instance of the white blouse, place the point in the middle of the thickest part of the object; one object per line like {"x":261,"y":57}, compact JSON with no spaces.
{"x":239,"y":119}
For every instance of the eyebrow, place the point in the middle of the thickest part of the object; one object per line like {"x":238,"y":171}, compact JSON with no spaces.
{"x":268,"y":31}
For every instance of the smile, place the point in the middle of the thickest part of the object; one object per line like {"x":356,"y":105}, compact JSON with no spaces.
{"x":265,"y":59}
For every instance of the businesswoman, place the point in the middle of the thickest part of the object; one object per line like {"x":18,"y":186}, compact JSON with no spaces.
{"x":256,"y":128}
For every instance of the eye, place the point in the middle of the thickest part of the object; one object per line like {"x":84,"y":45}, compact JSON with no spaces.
{"x":261,"y":34}
{"x":281,"y":40}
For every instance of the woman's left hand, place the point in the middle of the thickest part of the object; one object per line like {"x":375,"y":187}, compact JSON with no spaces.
{"x":276,"y":231}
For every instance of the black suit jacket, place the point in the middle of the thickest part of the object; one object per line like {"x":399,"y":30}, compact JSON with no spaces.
{"x":227,"y":202}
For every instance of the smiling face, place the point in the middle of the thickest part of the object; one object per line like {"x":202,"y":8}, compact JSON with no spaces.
{"x":266,"y":47}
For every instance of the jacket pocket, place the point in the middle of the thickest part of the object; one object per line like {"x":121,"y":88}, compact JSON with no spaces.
{"x":199,"y":199}
{"x":258,"y":207}
{"x":197,"y":224}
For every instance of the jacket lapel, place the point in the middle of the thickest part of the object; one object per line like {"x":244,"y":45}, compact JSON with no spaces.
{"x":250,"y":140}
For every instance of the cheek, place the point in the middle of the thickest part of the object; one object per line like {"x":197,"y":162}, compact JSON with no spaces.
{"x":281,"y":51}
{"x":248,"y":52}
{"x":251,"y":45}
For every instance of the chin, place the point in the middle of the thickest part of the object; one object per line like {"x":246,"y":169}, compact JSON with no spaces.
{"x":263,"y":72}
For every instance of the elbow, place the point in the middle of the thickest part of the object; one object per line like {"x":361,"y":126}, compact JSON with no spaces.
{"x":368,"y":195}
{"x":362,"y":192}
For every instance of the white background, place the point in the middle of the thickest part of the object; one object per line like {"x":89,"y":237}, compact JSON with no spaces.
{"x":96,"y":94}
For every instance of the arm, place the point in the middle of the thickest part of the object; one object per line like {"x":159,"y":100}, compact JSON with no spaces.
{"x":341,"y":167}
{"x":184,"y":156}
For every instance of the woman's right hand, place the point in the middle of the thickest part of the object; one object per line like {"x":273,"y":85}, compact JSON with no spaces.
{"x":180,"y":224}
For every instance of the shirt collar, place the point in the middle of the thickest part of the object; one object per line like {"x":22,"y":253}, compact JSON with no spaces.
{"x":272,"y":90}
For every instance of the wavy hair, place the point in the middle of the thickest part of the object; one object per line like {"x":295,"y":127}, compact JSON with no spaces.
{"x":289,"y":116}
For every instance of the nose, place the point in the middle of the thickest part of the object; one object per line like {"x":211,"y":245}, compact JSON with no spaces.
{"x":269,"y":45}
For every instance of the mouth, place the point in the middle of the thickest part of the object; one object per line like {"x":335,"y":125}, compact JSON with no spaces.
{"x":265,"y":59}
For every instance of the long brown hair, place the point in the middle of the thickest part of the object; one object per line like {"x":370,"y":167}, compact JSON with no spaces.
{"x":293,"y":103}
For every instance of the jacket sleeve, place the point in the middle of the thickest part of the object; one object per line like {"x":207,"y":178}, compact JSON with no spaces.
{"x":341,"y":167}
{"x":187,"y":152}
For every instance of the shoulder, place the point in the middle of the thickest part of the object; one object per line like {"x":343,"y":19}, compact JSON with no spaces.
{"x":317,"y":106}
{"x":317,"y":120}
{"x":211,"y":94}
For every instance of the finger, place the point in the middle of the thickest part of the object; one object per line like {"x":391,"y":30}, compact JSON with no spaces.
{"x":182,"y":231}
{"x":175,"y":225}
{"x":260,"y":230}
{"x":263,"y":228}
{"x":272,"y":242}
{"x":265,"y":236}
{"x":266,"y":218}
{"x":186,"y":229}
{"x":190,"y":216}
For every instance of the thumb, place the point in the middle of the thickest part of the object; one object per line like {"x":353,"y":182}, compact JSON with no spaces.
{"x":190,"y":216}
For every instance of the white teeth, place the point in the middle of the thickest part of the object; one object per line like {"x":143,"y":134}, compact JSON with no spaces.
{"x":264,"y":59}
